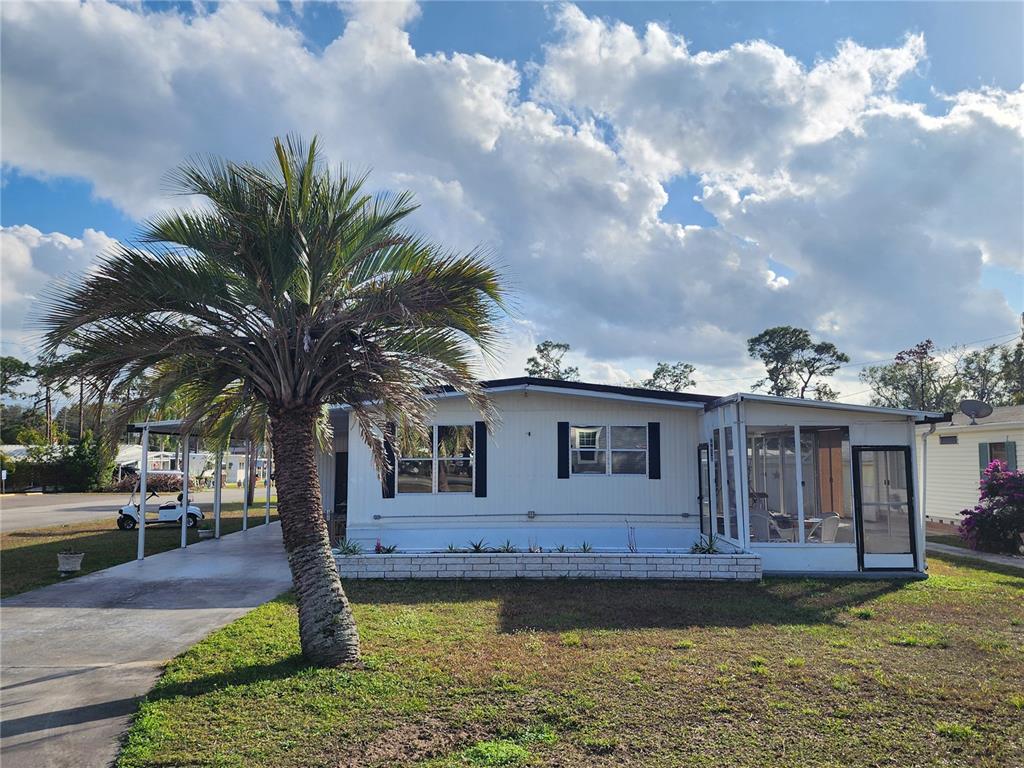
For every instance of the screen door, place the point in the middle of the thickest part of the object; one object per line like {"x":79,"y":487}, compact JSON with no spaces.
{"x":885,"y":507}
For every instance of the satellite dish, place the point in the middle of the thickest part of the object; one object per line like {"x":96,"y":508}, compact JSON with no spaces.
{"x":975,"y":409}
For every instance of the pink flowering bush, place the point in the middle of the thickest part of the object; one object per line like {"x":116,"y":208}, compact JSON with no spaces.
{"x":995,"y":524}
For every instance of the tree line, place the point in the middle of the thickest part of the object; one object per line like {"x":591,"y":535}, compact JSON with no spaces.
{"x":797,"y":365}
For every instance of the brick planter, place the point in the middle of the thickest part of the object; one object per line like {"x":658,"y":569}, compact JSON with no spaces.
{"x":551,"y":565}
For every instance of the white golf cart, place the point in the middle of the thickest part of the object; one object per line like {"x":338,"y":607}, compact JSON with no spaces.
{"x":168,"y":512}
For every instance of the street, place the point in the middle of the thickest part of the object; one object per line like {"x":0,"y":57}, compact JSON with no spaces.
{"x":19,"y":512}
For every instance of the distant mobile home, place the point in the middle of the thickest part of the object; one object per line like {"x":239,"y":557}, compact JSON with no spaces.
{"x":954,"y":453}
{"x":810,"y":487}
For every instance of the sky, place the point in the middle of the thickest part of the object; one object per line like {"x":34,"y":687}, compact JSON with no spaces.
{"x":657,"y":181}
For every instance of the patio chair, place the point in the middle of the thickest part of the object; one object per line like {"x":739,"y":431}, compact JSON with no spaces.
{"x":828,"y":526}
{"x":781,"y":534}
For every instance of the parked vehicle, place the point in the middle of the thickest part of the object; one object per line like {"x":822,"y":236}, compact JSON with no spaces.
{"x":168,"y":512}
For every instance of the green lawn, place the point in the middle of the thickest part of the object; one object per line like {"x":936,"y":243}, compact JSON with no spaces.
{"x":951,"y":539}
{"x":28,"y":559}
{"x":785,"y":673}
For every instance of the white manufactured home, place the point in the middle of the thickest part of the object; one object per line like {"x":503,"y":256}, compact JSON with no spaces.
{"x":810,"y":487}
{"x":955,"y":452}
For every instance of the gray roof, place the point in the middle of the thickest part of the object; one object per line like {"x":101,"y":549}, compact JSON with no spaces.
{"x":1006,"y":414}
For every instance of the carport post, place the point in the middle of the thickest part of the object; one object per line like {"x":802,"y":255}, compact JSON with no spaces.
{"x":245,"y":486}
{"x":143,"y":469}
{"x":266,"y":478}
{"x":216,"y":495}
{"x":184,"y":493}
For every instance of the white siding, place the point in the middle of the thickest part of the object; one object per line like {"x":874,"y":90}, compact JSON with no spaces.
{"x":953,"y":471}
{"x":522,"y":477}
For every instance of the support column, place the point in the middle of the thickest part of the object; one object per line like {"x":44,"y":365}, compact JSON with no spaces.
{"x":799,"y":485}
{"x":217,"y":495}
{"x":266,"y":477}
{"x":143,"y":471}
{"x":184,"y":492}
{"x":245,"y":486}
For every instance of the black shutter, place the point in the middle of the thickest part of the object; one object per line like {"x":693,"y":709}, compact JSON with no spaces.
{"x":388,"y":482}
{"x":654,"y":450}
{"x":480,"y":458}
{"x":563,"y":450}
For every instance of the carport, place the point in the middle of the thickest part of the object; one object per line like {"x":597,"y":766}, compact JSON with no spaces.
{"x":174,"y":428}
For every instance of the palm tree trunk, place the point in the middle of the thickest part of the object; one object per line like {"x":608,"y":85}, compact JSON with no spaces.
{"x":327,"y":628}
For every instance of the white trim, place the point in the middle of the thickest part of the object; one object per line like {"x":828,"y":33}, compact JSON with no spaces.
{"x":740,"y":397}
{"x":561,"y":391}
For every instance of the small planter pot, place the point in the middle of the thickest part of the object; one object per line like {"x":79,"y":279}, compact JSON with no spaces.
{"x":205,"y":533}
{"x":69,"y":562}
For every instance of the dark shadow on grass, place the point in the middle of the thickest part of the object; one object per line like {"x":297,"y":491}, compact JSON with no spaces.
{"x":255,"y":673}
{"x":561,"y":604}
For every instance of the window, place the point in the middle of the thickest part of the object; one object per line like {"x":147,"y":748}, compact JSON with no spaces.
{"x":948,"y":440}
{"x":439,"y":460}
{"x":455,"y":459}
{"x":717,"y":469}
{"x":825,"y":490}
{"x":601,"y":450}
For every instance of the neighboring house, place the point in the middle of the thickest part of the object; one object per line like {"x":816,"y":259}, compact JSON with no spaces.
{"x":820,"y":487}
{"x":954,"y":455}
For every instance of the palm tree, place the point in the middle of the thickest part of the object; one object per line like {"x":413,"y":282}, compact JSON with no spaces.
{"x":288,"y":290}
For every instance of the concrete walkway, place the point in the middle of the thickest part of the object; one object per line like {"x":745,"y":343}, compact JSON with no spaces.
{"x":76,"y":656}
{"x":988,"y":557}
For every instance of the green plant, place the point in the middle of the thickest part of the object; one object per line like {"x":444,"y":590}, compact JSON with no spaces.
{"x":706,"y":545}
{"x":452,"y":548}
{"x":561,"y":548}
{"x":585,"y":547}
{"x":479,"y":546}
{"x":502,"y":752}
{"x":508,"y":546}
{"x":349,"y":547}
{"x":290,"y":288}
{"x":955,"y":731}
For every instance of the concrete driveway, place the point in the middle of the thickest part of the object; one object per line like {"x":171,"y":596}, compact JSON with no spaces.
{"x":75,"y":657}
{"x":19,"y":512}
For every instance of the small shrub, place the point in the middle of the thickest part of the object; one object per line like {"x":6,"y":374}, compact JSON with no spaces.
{"x":382,"y":549}
{"x":955,"y":731}
{"x":996,"y":522}
{"x":479,"y":546}
{"x":349,"y":547}
{"x":571,"y":639}
{"x":585,"y":547}
{"x":508,"y":546}
{"x":561,"y":548}
{"x":864,"y":613}
{"x":707,"y":545}
{"x":452,"y":548}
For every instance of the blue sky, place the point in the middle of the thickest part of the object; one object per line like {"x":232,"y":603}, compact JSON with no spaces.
{"x":970,"y":44}
{"x":63,"y":174}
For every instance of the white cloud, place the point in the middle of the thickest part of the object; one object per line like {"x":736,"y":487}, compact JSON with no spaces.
{"x":29,"y":262}
{"x":883,"y":212}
